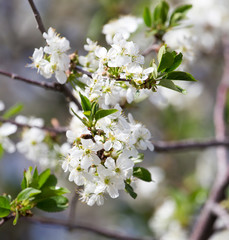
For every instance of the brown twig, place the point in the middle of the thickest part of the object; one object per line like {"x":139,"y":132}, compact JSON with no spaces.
{"x":49,"y":86}
{"x":204,"y":226}
{"x":60,"y":130}
{"x":62,"y":88}
{"x":84,"y":227}
{"x":220,"y":212}
{"x":79,"y":226}
{"x":164,"y":146}
{"x":152,"y":48}
{"x":40,"y":24}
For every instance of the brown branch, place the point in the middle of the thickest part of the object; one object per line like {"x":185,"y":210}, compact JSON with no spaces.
{"x":204,"y":226}
{"x":37,"y":16}
{"x":152,"y":48}
{"x":59,"y":130}
{"x":162,"y":146}
{"x":220,"y":212}
{"x":6,"y":219}
{"x":84,"y":227}
{"x":80,"y":226}
{"x":49,"y":86}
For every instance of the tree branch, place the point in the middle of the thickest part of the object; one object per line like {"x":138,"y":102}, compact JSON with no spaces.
{"x":204,"y":226}
{"x":162,"y":146}
{"x":37,"y":16}
{"x":60,"y":130}
{"x":220,"y":212}
{"x":49,"y":86}
{"x":84,"y":227}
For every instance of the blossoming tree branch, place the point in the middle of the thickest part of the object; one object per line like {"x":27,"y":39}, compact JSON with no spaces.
{"x":102,"y":151}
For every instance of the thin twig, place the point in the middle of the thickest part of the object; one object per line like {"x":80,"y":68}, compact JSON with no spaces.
{"x":59,"y":130}
{"x":50,"y":86}
{"x":152,"y":48}
{"x":204,"y":226}
{"x":163,"y":146}
{"x":220,"y":212}
{"x":84,"y":227}
{"x":79,"y":226}
{"x":40,"y":24}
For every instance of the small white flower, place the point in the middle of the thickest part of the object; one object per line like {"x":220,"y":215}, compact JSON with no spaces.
{"x":7,"y":129}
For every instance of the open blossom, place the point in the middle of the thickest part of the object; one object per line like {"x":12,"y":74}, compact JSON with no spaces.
{"x":52,"y":59}
{"x":125,"y":25}
{"x":102,"y":163}
{"x":121,"y":60}
{"x":6,"y":129}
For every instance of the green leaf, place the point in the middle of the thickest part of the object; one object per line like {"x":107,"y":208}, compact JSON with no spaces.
{"x":147,"y":17}
{"x":13,"y":111}
{"x":160,"y":13}
{"x":169,"y":84}
{"x":4,"y":206}
{"x":103,"y":113}
{"x":50,"y":182}
{"x":166,"y":61}
{"x":1,"y":151}
{"x":178,"y":75}
{"x":161,"y":51}
{"x":85,"y":102}
{"x":27,"y":193}
{"x":50,"y":192}
{"x":16,"y":217}
{"x":179,"y":14}
{"x":53,"y":204}
{"x":27,"y":179}
{"x":142,"y":174}
{"x":176,"y":63}
{"x":87,"y":114}
{"x":130,"y":190}
{"x":94,"y":108}
{"x":43,"y":178}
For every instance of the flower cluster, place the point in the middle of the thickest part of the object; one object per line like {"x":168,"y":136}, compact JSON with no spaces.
{"x":117,"y":72}
{"x":102,"y":159}
{"x":52,"y":58}
{"x":37,"y":145}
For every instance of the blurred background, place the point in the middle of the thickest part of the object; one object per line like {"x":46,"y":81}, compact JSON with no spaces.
{"x":181,"y":180}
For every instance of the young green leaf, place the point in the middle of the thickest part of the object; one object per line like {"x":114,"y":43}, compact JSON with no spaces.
{"x":179,"y":14}
{"x":87,"y":114}
{"x":27,"y":179}
{"x":85,"y":102}
{"x":103,"y":113}
{"x":166,"y":61}
{"x":176,"y":63}
{"x":1,"y":151}
{"x":147,"y":17}
{"x":178,"y":75}
{"x":13,"y":111}
{"x":160,"y":13}
{"x":53,"y":204}
{"x":169,"y":84}
{"x":130,"y":190}
{"x":161,"y":51}
{"x":16,"y":217}
{"x":142,"y":174}
{"x":4,"y":206}
{"x":94,"y":108}
{"x":27,"y":193}
{"x":50,"y":182}
{"x":43,"y":177}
